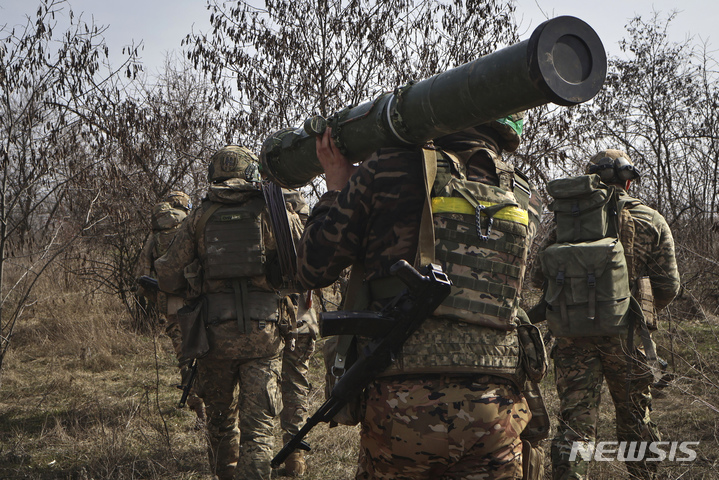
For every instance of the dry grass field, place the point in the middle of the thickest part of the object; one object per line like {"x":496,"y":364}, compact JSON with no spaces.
{"x":83,"y":397}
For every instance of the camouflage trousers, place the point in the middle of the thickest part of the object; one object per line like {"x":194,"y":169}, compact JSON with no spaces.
{"x":442,"y":428}
{"x":295,"y":384}
{"x":581,"y":365}
{"x":244,"y":392}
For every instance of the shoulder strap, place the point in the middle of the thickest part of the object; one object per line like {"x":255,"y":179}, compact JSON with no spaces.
{"x":425,"y":246}
{"x":200,"y":227}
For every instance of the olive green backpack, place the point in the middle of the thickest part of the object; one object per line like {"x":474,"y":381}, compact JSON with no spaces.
{"x":587,"y":279}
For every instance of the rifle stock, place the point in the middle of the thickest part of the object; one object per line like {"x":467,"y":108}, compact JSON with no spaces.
{"x":409,"y":309}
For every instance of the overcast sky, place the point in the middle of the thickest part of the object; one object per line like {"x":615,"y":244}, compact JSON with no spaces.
{"x":161,"y":24}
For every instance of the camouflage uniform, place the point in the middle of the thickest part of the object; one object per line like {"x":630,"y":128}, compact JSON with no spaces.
{"x":299,"y":347}
{"x":239,"y":377}
{"x":296,"y":355}
{"x":449,"y":407}
{"x":177,"y":204}
{"x":581,"y":363}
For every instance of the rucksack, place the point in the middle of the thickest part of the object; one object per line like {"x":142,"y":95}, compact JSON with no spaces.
{"x":587,"y":279}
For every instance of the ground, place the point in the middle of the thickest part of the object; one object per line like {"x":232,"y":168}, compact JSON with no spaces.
{"x":83,"y":396}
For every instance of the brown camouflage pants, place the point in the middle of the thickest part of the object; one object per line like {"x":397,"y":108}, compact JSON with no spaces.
{"x":295,"y":385}
{"x":242,"y":391}
{"x":580,"y":366}
{"x":442,"y":427}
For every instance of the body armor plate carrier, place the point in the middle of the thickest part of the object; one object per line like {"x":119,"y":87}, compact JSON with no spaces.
{"x":481,"y":241}
{"x":233,"y":241}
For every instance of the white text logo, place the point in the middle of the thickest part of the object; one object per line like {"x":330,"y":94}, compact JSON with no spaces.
{"x":634,"y":451}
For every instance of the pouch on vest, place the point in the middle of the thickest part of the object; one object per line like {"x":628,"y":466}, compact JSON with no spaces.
{"x":194,"y":331}
{"x":259,"y":306}
{"x":533,"y":353}
{"x":587,"y":288}
{"x":193,"y":276}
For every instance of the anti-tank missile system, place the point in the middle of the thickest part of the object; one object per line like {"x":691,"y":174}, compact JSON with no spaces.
{"x":563,"y":62}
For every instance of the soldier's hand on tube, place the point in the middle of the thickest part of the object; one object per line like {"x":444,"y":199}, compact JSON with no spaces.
{"x":338,"y":169}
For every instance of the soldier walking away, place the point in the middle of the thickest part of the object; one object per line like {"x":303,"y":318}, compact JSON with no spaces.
{"x":603,"y":325}
{"x":225,"y":254}
{"x":300,"y":342}
{"x":167,"y":216}
{"x":450,"y":406}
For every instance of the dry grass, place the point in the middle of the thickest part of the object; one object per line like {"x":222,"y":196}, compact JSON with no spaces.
{"x":83,"y":397}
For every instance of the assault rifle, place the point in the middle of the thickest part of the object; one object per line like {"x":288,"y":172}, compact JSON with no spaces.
{"x":188,"y":385}
{"x":405,"y":313}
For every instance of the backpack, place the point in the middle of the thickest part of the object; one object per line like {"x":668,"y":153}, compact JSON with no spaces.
{"x":234,"y":244}
{"x":587,"y":286}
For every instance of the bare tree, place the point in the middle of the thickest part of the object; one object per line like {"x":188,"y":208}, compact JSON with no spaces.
{"x":38,"y":131}
{"x":150,"y":138}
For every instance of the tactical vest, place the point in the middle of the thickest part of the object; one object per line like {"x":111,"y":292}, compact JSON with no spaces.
{"x":234,"y":245}
{"x":234,"y":251}
{"x":481,"y":241}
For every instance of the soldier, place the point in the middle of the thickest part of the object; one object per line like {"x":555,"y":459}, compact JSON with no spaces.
{"x":450,"y":406}
{"x":167,"y":216}
{"x":581,"y":363}
{"x":299,"y":347}
{"x":226,"y":251}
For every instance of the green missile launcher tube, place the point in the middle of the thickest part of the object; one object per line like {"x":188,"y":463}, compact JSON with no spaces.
{"x":563,"y":62}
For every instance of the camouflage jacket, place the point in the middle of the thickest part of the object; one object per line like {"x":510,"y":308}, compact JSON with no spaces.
{"x":155,"y":246}
{"x":375,"y":221}
{"x":227,"y":339}
{"x":653,"y":247}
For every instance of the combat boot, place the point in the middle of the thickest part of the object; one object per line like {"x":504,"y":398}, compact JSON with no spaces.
{"x":295,"y":464}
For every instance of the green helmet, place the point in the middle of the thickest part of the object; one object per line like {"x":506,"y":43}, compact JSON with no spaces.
{"x":179,"y":199}
{"x":612,"y":166}
{"x":510,"y":130}
{"x":233,"y":161}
